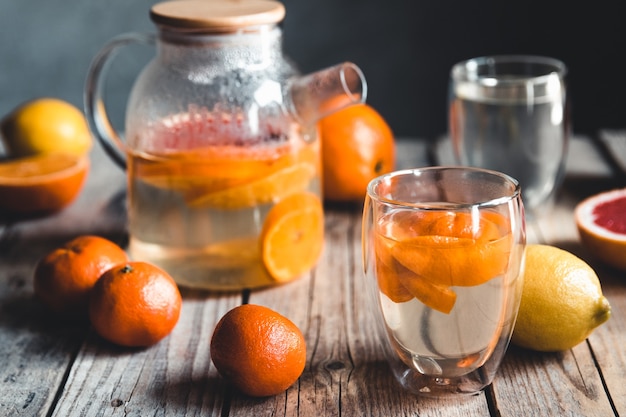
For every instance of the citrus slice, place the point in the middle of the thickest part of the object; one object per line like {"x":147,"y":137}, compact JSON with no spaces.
{"x":601,"y":222}
{"x":422,"y":254}
{"x":293,"y":236}
{"x":400,"y":284}
{"x":438,"y":297}
{"x":205,"y":170}
{"x":390,"y":285}
{"x":454,"y":261}
{"x":289,"y":180}
{"x":41,"y":183}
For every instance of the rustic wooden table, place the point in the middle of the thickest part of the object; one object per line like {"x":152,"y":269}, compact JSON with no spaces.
{"x":50,"y":368}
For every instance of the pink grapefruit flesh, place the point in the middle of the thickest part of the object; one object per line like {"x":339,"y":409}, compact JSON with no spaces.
{"x":601,"y":222}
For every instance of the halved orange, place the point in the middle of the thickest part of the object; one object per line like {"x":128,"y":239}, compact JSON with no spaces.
{"x":42,"y":183}
{"x":293,"y":236}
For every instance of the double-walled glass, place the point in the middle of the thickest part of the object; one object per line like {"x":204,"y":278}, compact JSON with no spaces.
{"x":443,"y":251}
{"x":509,"y":113}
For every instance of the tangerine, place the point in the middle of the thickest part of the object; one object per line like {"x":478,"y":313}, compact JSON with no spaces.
{"x":135,"y":304}
{"x":41,"y":184}
{"x":65,"y":276}
{"x":601,"y":222}
{"x":258,"y":350}
{"x":357,"y":146}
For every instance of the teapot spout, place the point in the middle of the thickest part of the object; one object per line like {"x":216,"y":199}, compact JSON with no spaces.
{"x":314,"y":96}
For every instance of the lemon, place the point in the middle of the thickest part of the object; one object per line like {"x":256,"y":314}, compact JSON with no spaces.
{"x":45,"y":125}
{"x":562,"y":301}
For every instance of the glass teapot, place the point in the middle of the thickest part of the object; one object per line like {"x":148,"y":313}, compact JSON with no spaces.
{"x":221,"y":146}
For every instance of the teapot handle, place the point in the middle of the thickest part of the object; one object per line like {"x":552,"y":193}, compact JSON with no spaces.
{"x":95,"y":111}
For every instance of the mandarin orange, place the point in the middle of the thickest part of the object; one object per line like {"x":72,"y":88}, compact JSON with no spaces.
{"x":258,"y":350}
{"x":65,"y":276}
{"x":135,"y":304}
{"x":357,"y":146}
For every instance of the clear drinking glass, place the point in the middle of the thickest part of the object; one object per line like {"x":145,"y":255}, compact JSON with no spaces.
{"x":510,"y":114}
{"x":443,"y":251}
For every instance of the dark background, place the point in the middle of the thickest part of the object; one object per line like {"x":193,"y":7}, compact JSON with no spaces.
{"x":405,"y":48}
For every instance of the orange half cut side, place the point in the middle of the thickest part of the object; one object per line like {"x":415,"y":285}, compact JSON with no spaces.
{"x":41,"y":183}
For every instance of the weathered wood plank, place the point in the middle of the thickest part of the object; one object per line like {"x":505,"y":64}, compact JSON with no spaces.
{"x":607,"y":342}
{"x":346,"y":372}
{"x":45,"y":364}
{"x":566,"y":383}
{"x":175,"y":376}
{"x":545,"y":384}
{"x":35,"y":348}
{"x":35,"y":351}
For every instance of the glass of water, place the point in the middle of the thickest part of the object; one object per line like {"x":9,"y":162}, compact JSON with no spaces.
{"x":443,"y":251}
{"x":510,"y":114}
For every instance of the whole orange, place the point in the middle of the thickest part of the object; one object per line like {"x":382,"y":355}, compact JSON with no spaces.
{"x":135,"y":304}
{"x":357,"y":146}
{"x":258,"y":350}
{"x":64,"y":277}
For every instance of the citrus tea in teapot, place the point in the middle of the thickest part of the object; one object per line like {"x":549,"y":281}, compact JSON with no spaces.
{"x":221,"y":146}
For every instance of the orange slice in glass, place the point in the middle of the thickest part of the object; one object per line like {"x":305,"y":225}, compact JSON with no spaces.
{"x":293,"y":236}
{"x":453,"y":261}
{"x":390,"y":285}
{"x":289,"y":180}
{"x":400,"y":284}
{"x":437,"y":297}
{"x":210,"y":169}
{"x":424,"y":254}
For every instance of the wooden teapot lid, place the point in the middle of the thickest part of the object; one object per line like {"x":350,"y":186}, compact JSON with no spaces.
{"x":216,"y":15}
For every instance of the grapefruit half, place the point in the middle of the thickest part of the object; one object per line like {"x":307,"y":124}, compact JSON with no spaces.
{"x":601,"y":222}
